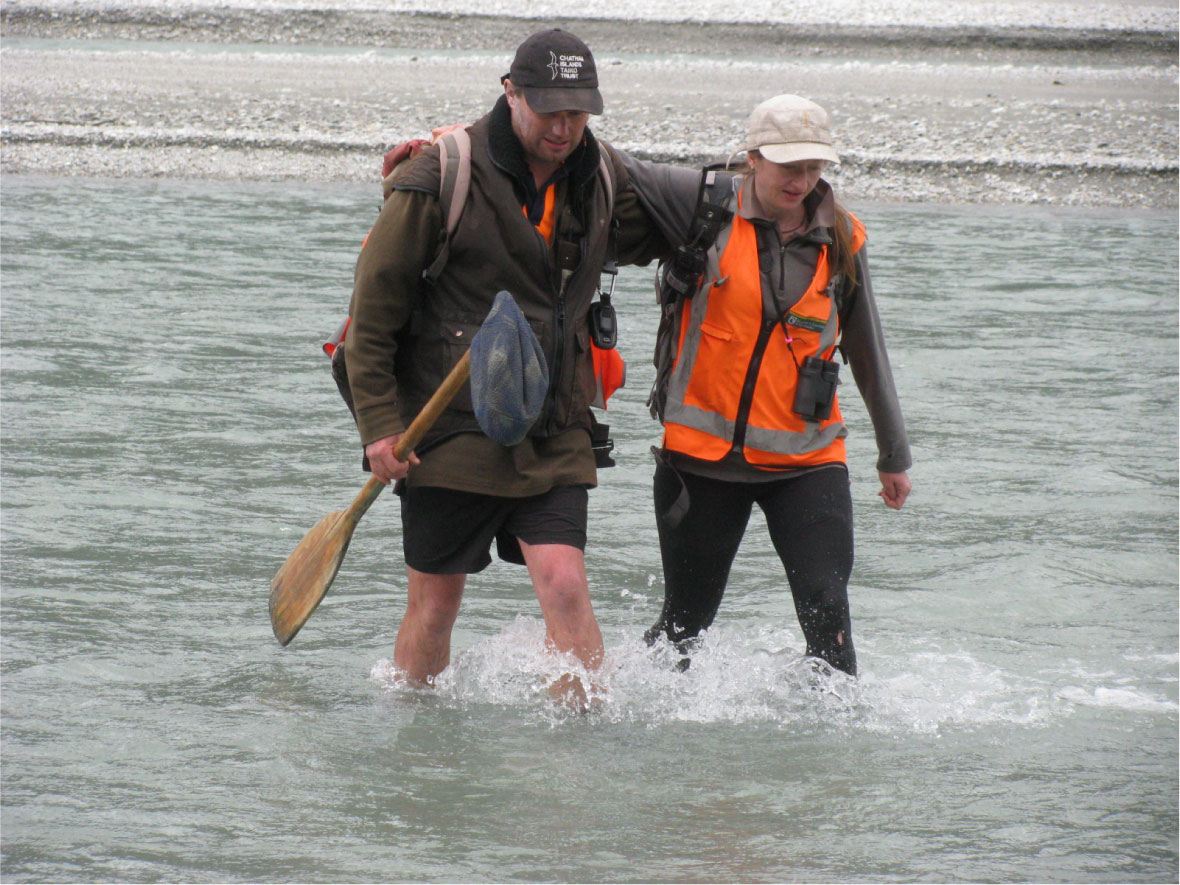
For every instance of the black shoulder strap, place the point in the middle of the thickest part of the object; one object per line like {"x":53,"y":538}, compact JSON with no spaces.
{"x":712,"y":211}
{"x":681,"y":274}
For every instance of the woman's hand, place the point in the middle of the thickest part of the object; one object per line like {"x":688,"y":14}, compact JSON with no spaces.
{"x":895,"y":488}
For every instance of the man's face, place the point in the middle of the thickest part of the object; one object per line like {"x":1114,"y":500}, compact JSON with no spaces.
{"x":547,"y":138}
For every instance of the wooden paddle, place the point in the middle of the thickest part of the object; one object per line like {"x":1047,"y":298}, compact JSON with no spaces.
{"x":310,"y":569}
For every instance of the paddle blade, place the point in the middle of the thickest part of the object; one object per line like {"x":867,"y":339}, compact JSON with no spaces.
{"x":308,"y":573}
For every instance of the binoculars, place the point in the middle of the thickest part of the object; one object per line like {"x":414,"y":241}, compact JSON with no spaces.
{"x":816,"y":390}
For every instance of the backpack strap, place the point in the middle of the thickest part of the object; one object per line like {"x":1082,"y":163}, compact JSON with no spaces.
{"x":571,"y":245}
{"x":713,"y":202}
{"x":718,"y":195}
{"x":607,"y":174}
{"x":610,"y":259}
{"x":680,"y":277}
{"x":604,"y":327}
{"x":454,"y":163}
{"x":454,"y":158}
{"x":455,"y":166}
{"x":707,"y":235}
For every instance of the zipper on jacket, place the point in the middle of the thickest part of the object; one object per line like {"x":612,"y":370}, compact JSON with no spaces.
{"x":558,"y":361}
{"x":548,"y":412}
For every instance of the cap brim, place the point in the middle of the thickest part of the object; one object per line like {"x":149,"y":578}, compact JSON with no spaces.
{"x":585,"y":99}
{"x":794,"y":152}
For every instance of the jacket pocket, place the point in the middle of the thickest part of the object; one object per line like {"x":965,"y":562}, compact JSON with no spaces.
{"x":582,"y":389}
{"x":455,"y":336}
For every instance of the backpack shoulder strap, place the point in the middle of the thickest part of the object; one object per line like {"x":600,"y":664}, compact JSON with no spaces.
{"x":455,"y":175}
{"x":606,"y":173}
{"x":454,"y":163}
{"x":714,"y":212}
{"x":707,"y":234}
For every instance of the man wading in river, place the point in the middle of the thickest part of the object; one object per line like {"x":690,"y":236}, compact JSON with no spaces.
{"x":536,"y":223}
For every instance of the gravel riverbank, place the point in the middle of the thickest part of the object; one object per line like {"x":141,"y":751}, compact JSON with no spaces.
{"x":1065,"y":116}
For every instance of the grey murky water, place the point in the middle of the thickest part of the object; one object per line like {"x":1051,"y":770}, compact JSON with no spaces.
{"x":170,"y":431}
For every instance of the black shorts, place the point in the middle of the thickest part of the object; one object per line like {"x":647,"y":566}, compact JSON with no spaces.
{"x":445,"y":532}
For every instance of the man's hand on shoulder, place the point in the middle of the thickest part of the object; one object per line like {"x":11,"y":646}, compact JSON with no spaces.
{"x":407,"y":150}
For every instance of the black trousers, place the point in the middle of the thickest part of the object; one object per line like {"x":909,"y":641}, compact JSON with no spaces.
{"x":810,"y":521}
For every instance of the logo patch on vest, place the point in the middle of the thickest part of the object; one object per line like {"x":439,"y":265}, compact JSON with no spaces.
{"x":811,"y":324}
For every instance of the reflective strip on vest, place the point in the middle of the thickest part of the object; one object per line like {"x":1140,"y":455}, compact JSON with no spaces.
{"x":718,"y":330}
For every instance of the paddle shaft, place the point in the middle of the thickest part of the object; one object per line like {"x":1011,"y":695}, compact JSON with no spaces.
{"x":310,"y":569}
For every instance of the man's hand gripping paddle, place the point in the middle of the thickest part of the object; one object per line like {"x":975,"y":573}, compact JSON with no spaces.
{"x":509,"y":380}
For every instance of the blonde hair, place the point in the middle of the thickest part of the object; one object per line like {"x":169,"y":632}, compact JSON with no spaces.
{"x":843,"y":246}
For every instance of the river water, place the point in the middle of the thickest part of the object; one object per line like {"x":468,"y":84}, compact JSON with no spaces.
{"x":170,"y":431}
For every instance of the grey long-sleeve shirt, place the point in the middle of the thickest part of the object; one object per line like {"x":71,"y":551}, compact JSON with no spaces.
{"x":670,"y":192}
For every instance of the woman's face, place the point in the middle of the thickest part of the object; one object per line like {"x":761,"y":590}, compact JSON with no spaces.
{"x":781,"y":187}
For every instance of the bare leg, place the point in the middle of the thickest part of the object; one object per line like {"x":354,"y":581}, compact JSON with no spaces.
{"x":423,"y":647}
{"x":558,"y":572}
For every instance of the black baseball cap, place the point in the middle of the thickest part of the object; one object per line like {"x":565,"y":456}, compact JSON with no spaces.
{"x":556,"y":72}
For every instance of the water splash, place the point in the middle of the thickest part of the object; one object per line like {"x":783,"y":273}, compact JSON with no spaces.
{"x":742,"y":675}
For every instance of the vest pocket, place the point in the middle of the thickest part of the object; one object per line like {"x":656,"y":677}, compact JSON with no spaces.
{"x":718,"y":366}
{"x":455,"y":340}
{"x":716,"y":331}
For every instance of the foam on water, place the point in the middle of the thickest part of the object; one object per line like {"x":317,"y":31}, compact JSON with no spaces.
{"x":751,"y":676}
{"x":1116,"y":698}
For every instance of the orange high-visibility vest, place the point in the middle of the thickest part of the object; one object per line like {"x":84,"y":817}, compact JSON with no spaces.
{"x":610,"y":373}
{"x":545,"y":225}
{"x":726,"y":344}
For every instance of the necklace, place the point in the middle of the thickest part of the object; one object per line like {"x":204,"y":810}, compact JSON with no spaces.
{"x":785,"y":232}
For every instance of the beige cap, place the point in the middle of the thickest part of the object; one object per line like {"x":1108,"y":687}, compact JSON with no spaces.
{"x":788,"y":128}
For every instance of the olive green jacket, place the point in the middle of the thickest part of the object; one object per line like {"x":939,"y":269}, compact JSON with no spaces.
{"x":406,"y":333}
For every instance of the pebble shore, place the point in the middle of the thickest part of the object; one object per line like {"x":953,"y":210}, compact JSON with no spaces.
{"x":1076,"y":116}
